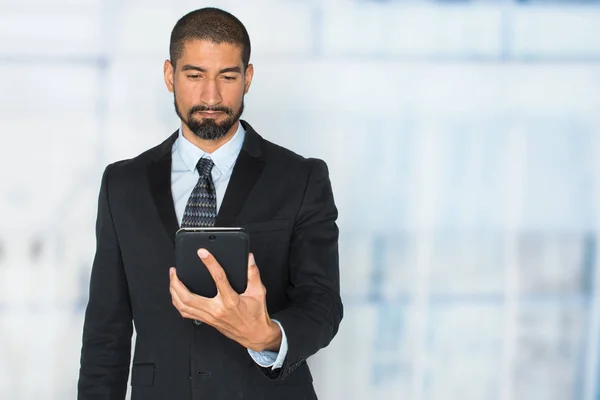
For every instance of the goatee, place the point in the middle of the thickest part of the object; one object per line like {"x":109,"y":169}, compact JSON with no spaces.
{"x":208,"y":128}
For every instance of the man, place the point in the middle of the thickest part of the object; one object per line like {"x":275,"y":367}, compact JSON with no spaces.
{"x":252,"y":345}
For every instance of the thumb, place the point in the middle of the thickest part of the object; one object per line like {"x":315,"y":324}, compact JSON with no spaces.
{"x":254,"y":281}
{"x":253,"y":272}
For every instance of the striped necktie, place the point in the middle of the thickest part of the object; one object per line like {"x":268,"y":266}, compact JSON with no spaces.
{"x":201,"y":208}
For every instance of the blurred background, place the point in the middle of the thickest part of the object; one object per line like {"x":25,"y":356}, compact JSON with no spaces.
{"x":463,"y":140}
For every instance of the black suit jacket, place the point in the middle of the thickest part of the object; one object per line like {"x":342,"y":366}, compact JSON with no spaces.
{"x":286,"y":203}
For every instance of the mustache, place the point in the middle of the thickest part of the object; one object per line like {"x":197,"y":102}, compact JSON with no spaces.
{"x":200,"y":108}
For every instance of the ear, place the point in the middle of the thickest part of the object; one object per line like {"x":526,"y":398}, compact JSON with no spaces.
{"x":248,"y":77}
{"x":169,"y":75}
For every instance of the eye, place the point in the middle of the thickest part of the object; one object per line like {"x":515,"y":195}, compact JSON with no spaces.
{"x":193,"y":76}
{"x":229,"y":78}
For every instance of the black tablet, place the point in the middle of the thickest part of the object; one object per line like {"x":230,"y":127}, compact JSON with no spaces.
{"x":230,"y":247}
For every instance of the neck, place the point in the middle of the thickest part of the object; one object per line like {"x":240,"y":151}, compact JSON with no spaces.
{"x":208,"y":146}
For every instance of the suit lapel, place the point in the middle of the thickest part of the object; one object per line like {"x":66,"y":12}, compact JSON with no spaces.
{"x":247,"y":169}
{"x":159,"y":176}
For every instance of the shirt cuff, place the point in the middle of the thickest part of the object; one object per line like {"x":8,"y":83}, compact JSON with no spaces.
{"x":268,"y":358}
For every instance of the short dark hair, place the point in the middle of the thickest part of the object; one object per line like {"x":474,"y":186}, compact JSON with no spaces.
{"x":210,"y":24}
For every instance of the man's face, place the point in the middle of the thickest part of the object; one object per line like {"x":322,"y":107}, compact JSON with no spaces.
{"x":209,"y":84}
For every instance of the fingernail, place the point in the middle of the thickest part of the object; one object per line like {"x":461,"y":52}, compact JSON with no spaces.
{"x":171,"y":271}
{"x":252,"y":262}
{"x":203,"y":253}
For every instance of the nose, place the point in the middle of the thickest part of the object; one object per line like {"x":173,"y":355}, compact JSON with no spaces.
{"x":211,"y":93}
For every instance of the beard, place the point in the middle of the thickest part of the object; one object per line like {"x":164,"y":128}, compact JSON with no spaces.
{"x":209,"y":128}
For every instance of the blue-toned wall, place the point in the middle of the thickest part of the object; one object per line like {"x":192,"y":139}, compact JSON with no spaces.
{"x":463,"y":140}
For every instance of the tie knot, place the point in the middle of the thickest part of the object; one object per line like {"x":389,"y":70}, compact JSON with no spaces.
{"x":205,"y":166}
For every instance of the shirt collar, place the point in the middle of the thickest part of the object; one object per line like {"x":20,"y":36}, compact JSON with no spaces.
{"x":224,"y":157}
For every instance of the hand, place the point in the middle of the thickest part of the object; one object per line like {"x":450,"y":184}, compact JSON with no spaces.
{"x":240,"y":317}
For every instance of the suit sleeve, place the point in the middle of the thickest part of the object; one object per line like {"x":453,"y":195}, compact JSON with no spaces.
{"x":313,"y":318}
{"x":106,"y":344}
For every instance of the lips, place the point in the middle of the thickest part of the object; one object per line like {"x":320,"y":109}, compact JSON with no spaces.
{"x":209,"y":113}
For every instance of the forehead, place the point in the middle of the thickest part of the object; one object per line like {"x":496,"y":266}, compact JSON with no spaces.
{"x":208,"y":52}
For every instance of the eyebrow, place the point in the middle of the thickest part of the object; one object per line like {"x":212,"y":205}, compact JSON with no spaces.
{"x":190,"y":67}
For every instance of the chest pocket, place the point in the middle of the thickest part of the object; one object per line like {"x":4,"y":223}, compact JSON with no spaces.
{"x":267,"y":226}
{"x":269,"y":239}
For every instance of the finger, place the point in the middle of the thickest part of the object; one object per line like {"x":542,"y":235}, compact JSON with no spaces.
{"x":183,"y":293}
{"x":218,"y":274}
{"x":185,"y":310}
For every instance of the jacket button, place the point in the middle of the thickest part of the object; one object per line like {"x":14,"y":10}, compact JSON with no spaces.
{"x":197,"y":323}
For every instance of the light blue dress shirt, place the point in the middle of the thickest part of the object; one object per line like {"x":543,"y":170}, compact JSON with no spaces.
{"x":184,"y":176}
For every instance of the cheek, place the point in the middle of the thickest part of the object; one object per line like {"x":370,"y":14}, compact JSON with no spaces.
{"x":234,"y":95}
{"x":184,"y":96}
